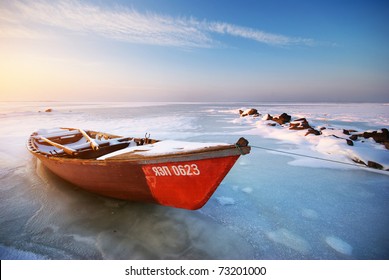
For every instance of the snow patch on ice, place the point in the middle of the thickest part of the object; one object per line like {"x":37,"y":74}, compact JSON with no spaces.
{"x":247,"y":190}
{"x":339,"y":245}
{"x":309,"y":214}
{"x":289,"y":239}
{"x":224,"y":200}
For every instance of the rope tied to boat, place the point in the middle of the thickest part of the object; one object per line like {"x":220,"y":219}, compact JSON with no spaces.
{"x":239,"y":149}
{"x":311,"y":157}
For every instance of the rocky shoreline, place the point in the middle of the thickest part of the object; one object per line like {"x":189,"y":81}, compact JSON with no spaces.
{"x":350,"y":136}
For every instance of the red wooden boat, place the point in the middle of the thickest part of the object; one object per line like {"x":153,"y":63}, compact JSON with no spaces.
{"x":171,"y":173}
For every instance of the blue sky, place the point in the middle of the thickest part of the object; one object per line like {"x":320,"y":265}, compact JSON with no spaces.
{"x":150,"y":50}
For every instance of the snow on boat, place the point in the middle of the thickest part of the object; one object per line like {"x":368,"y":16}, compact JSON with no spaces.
{"x":171,"y":173}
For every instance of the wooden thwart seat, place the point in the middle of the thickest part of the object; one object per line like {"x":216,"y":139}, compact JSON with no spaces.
{"x":92,"y":142}
{"x":67,"y":150}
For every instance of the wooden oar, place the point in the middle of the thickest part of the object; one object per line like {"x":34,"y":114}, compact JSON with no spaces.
{"x":67,"y":150}
{"x":92,"y":142}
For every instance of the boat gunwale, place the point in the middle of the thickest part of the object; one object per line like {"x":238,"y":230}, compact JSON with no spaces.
{"x":133,"y":157}
{"x":226,"y":151}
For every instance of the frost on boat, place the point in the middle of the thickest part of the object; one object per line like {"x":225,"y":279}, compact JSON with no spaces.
{"x":172,"y":173}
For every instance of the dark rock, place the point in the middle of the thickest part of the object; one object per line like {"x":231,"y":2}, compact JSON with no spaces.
{"x":285,"y":118}
{"x":359,"y":161}
{"x":267,"y":117}
{"x":282,"y":119}
{"x":271,"y":124}
{"x":312,"y":131}
{"x":354,"y":137}
{"x":350,"y":142}
{"x":367,"y":134}
{"x":375,"y":165}
{"x":249,"y":112}
{"x":301,"y":120}
{"x":379,"y":137}
{"x":49,"y":110}
{"x":299,"y":124}
{"x":348,"y":131}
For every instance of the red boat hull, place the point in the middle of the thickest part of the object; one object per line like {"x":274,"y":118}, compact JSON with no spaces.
{"x":177,"y":177}
{"x":179,"y":182}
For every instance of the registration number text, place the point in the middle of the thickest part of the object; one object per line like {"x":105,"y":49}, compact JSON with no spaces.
{"x":177,"y":170}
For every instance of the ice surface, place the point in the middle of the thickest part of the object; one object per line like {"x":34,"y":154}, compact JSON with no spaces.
{"x":270,"y":205}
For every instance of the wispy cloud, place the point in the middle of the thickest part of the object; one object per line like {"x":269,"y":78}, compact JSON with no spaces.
{"x":124,"y":24}
{"x":256,"y":35}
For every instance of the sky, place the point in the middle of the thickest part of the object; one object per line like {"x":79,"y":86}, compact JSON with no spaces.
{"x":194,"y":50}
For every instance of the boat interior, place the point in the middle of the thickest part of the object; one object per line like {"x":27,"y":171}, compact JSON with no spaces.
{"x":79,"y":143}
